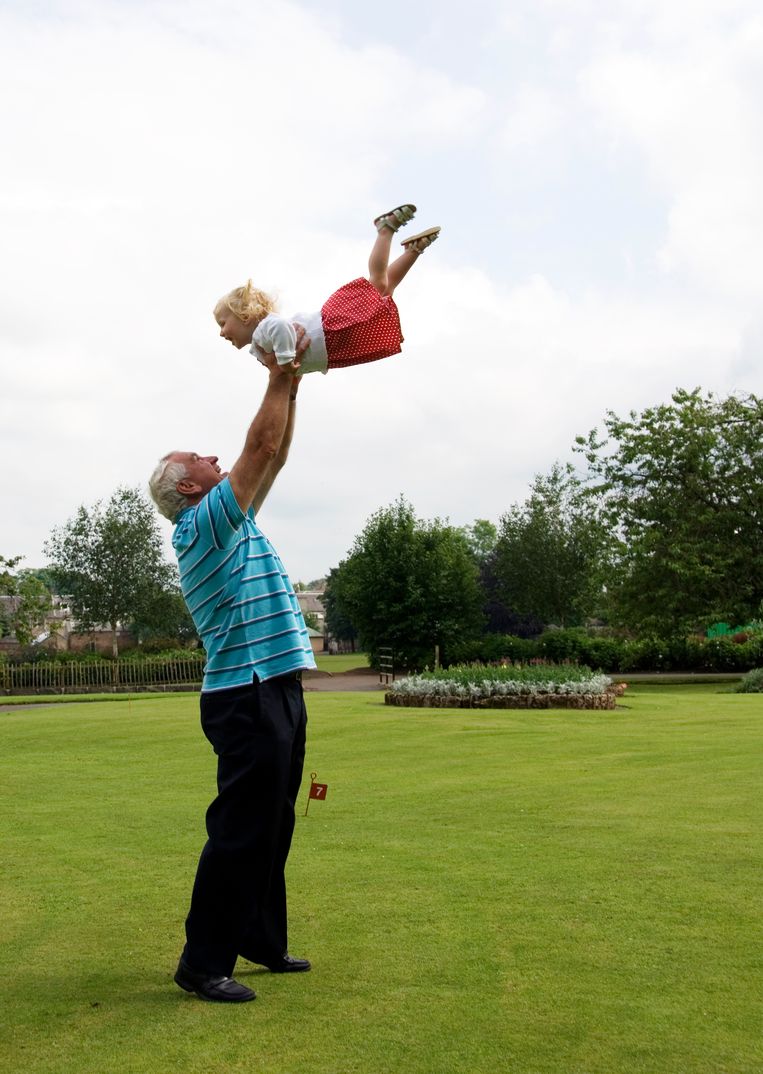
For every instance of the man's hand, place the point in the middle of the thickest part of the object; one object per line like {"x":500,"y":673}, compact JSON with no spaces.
{"x":268,"y":359}
{"x":303,"y":340}
{"x":274,"y":367}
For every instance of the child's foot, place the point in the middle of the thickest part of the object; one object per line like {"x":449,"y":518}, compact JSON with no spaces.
{"x":395,"y":218}
{"x":419,"y":243}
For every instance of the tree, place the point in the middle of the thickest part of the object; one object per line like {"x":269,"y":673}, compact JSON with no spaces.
{"x":108,"y":561}
{"x":551,"y":552}
{"x":408,"y":584}
{"x":335,"y":601}
{"x":682,"y":484}
{"x":24,"y":615}
{"x":166,"y":618}
{"x":480,"y":538}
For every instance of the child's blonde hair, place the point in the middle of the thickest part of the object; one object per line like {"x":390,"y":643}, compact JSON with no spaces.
{"x":248,"y":303}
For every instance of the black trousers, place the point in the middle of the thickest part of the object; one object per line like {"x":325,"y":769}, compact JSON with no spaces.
{"x":238,"y":905}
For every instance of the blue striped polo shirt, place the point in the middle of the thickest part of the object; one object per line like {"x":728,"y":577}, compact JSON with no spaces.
{"x":238,"y":594}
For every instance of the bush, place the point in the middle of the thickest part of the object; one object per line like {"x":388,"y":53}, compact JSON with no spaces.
{"x":752,"y":683}
{"x":482,"y":681}
{"x":491,"y":649}
{"x":613,"y":654}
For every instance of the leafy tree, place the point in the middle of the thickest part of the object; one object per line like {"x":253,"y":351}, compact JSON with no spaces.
{"x":682,"y":484}
{"x":408,"y":584}
{"x":335,"y":601}
{"x":166,"y":617}
{"x":108,"y":561}
{"x":25,"y":614}
{"x":551,"y":551}
{"x":481,"y":539}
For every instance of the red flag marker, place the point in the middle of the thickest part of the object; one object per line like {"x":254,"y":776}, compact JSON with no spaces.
{"x":317,"y":790}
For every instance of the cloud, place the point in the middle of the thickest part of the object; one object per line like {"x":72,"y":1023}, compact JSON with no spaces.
{"x":161,"y":154}
{"x":686,"y":100}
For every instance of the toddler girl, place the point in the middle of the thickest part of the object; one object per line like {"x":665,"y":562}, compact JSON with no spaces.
{"x":358,"y":323}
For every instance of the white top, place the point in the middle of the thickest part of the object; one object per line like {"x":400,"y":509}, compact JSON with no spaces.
{"x":277,"y":336}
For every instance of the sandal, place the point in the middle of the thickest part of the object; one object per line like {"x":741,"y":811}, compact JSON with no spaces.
{"x":395,"y":218}
{"x":419,"y":243}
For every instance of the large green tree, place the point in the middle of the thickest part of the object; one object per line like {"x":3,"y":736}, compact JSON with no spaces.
{"x":682,"y":485}
{"x":409,"y":584}
{"x":551,"y":553}
{"x":108,"y":561}
{"x":25,"y":613}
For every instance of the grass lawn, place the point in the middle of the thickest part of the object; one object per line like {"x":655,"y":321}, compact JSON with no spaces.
{"x":495,"y":892}
{"x":341,"y":662}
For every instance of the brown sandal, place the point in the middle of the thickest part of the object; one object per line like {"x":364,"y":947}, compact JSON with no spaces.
{"x":424,"y":239}
{"x":395,"y":218}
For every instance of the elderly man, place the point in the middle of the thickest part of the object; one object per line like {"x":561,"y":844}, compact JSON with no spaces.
{"x":252,"y":710}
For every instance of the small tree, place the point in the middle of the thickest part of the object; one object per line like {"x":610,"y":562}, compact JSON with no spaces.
{"x":108,"y":561}
{"x":551,"y":553}
{"x":30,"y":604}
{"x":408,"y":584}
{"x":336,"y":601}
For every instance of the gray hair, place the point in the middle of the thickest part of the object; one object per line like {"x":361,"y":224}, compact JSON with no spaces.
{"x":163,"y":487}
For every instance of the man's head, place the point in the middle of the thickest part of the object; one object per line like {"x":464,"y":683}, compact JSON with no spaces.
{"x":181,"y":479}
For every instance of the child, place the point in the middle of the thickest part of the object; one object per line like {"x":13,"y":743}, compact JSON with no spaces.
{"x":358,"y":323}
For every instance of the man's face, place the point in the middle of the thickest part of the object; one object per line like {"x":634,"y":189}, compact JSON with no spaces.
{"x":234,"y":330}
{"x":202,"y":473}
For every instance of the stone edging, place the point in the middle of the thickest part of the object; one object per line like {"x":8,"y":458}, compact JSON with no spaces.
{"x":513,"y":701}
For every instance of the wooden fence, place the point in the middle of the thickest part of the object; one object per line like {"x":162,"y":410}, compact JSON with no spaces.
{"x":101,"y":676}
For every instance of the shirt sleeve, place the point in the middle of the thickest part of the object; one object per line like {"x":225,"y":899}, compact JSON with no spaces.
{"x":276,"y":336}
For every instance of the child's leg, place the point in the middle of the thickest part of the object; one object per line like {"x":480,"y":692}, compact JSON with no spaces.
{"x":386,"y":225}
{"x":379,"y":260}
{"x":399,"y":268}
{"x":413,"y":247}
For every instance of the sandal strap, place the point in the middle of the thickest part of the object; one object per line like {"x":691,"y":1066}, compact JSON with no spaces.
{"x":395,"y":218}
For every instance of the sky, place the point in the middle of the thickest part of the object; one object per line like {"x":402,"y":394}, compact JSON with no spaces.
{"x":596,"y":168}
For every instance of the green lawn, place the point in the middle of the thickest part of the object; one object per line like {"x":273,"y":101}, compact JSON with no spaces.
{"x":482,"y":893}
{"x":341,"y":662}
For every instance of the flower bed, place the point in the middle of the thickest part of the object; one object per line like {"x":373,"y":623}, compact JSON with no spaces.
{"x":525,"y":687}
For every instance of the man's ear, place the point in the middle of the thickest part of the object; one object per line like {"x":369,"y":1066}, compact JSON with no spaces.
{"x":186,"y":487}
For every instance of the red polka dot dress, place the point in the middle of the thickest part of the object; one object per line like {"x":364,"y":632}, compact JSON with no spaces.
{"x":360,"y":325}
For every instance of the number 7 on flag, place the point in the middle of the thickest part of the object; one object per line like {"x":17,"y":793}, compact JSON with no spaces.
{"x":317,"y":790}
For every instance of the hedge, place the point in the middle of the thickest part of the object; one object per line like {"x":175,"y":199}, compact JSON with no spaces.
{"x":615,"y":655}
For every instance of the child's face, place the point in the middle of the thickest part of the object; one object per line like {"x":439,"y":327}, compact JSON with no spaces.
{"x":234,"y":330}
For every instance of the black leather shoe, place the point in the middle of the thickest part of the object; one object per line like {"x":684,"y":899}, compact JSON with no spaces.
{"x":285,"y":964}
{"x":215,"y":989}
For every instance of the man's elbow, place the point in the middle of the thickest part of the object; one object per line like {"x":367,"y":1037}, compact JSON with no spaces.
{"x":265,"y":449}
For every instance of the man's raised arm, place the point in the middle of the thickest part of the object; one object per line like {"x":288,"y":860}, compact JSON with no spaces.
{"x":263,"y":442}
{"x":283,"y":451}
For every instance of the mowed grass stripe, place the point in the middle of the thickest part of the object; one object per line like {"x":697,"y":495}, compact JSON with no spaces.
{"x":550,"y":892}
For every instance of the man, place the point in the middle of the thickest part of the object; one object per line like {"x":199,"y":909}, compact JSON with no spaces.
{"x":252,"y":709}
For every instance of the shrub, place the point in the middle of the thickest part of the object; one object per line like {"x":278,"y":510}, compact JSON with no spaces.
{"x":491,"y":649}
{"x":481,"y":681}
{"x":752,"y":683}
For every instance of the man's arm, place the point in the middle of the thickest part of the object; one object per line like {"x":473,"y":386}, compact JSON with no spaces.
{"x":283,"y":451}
{"x":269,"y":436}
{"x":263,"y":439}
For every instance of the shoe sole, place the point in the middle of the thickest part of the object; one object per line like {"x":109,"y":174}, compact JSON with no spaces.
{"x":421,"y":235}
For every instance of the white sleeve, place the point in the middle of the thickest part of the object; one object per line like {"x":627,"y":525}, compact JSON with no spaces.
{"x":275,"y":335}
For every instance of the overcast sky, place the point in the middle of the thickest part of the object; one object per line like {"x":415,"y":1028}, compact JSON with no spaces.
{"x":596,"y":167}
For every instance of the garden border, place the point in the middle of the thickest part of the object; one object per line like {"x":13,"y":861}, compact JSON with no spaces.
{"x":605,"y":701}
